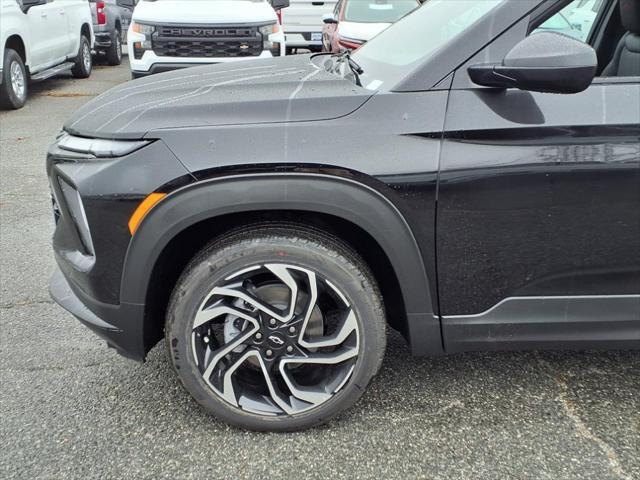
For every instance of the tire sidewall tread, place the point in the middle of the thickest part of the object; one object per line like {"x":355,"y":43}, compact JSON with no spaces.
{"x":78,"y":70}
{"x":112,"y":51}
{"x":318,"y":250}
{"x":8,"y":98}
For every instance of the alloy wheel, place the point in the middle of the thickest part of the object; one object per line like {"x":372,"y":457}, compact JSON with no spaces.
{"x":86,"y":57}
{"x":275,"y":339}
{"x":18,"y":81}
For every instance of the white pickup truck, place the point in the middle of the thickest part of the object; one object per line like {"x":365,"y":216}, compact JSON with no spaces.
{"x":302,"y":23}
{"x":169,"y":34}
{"x":40,"y":39}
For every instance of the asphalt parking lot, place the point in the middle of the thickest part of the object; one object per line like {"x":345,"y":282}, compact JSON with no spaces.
{"x":71,"y":408}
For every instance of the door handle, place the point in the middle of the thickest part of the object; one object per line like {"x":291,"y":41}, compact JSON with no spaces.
{"x":61,"y":12}
{"x":43,"y":14}
{"x":317,"y":4}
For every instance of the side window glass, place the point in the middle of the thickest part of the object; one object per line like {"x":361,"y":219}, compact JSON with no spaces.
{"x":575,"y":20}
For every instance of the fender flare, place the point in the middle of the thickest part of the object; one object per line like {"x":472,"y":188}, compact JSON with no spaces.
{"x":344,"y":198}
{"x":16,"y":32}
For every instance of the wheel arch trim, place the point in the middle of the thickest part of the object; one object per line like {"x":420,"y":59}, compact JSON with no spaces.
{"x":15,"y":36}
{"x":352,"y":201}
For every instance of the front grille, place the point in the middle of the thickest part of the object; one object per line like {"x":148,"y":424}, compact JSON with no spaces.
{"x":207,"y":42}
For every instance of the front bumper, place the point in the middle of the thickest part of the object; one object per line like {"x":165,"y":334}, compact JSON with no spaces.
{"x":120,"y":325}
{"x":162,"y":67}
{"x":93,"y":200}
{"x":150,"y":61}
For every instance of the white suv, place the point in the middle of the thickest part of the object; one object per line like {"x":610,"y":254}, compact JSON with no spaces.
{"x":40,"y":39}
{"x":169,"y":34}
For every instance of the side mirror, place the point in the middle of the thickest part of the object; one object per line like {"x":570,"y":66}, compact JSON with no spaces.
{"x":543,"y":62}
{"x":279,"y":4}
{"x":329,"y":19}
{"x":25,"y":5}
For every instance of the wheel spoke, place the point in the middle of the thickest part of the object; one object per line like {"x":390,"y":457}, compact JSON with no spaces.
{"x":206,"y":315}
{"x":241,"y":294}
{"x":311,"y":395}
{"x":221,"y":352}
{"x":282,"y":272}
{"x":311,"y":303}
{"x":228,"y":392}
{"x":276,"y":396}
{"x":349,"y":325}
{"x":325,"y":358}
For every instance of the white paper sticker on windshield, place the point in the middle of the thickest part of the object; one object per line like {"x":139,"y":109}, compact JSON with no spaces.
{"x":374,"y":85}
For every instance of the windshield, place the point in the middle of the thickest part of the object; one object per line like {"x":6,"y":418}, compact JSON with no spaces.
{"x":394,"y":53}
{"x":377,"y":11}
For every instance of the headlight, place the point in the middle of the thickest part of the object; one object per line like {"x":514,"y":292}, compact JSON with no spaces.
{"x":99,"y":147}
{"x":143,"y":28}
{"x":267,"y":30}
{"x":140,"y":47}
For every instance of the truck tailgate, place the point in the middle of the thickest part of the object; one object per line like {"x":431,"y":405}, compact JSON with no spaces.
{"x":307,"y":13}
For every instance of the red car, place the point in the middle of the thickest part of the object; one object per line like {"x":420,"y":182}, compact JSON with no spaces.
{"x":353,"y":22}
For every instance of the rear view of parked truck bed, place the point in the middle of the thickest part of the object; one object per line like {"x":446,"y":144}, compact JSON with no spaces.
{"x":302,"y":23}
{"x":111,"y":19}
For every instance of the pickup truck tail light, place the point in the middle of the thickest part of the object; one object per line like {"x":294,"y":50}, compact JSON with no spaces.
{"x":101,"y":15}
{"x":279,"y":15}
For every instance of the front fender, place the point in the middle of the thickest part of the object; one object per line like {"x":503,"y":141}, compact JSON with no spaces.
{"x":24,"y":36}
{"x":340,"y":197}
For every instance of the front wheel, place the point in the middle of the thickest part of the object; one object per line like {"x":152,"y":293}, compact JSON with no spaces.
{"x":83,"y":63}
{"x":276,"y":328}
{"x":13,"y":91}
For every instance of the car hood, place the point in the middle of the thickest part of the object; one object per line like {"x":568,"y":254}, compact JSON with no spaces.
{"x":286,"y":89}
{"x":204,"y":13}
{"x":360,"y":31}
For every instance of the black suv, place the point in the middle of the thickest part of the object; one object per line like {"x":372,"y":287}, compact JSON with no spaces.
{"x":467,"y":178}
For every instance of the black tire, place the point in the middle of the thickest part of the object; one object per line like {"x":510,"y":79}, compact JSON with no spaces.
{"x":83,"y":64}
{"x":13,"y":92}
{"x":289,"y":50}
{"x":300,"y":247}
{"x":114,"y":52}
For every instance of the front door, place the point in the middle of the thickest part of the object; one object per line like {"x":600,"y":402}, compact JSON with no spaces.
{"x":48,"y":29}
{"x":538,"y":230}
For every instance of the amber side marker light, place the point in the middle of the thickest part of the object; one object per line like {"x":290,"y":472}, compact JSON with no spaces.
{"x":144,"y":207}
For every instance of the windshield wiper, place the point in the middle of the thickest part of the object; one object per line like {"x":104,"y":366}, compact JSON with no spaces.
{"x":356,"y":69}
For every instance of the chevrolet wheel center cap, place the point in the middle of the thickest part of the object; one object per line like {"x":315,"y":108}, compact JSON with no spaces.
{"x":276,"y":340}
